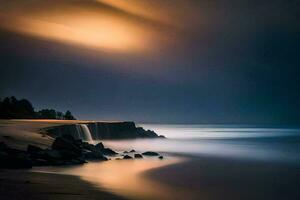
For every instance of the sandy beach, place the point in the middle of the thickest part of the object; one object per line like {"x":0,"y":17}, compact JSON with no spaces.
{"x":25,"y":185}
{"x":194,"y":178}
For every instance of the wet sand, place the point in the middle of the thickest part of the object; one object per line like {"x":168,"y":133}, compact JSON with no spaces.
{"x":123,"y":177}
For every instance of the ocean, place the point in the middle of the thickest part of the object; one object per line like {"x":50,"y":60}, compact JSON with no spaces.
{"x":280,"y":144}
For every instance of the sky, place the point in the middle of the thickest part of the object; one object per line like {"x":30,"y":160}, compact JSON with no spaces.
{"x":171,"y":61}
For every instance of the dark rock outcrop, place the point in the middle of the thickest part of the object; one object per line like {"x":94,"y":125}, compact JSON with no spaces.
{"x":150,"y":153}
{"x":161,"y":157}
{"x":65,"y":151}
{"x":67,"y":146}
{"x":103,"y":130}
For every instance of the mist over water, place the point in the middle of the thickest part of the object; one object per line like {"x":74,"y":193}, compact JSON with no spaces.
{"x":280,"y":144}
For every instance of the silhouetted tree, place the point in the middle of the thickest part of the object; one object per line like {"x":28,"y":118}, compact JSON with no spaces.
{"x":47,"y":114}
{"x":12,"y":108}
{"x":68,"y":115}
{"x":59,"y":115}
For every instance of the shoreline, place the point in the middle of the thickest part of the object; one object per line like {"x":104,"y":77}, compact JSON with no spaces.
{"x":210,"y":178}
{"x":123,"y":178}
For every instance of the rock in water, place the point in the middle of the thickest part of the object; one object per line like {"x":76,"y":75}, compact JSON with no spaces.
{"x":137,"y":155}
{"x":161,"y":157}
{"x":108,"y":152}
{"x":127,"y":157}
{"x":150,"y":153}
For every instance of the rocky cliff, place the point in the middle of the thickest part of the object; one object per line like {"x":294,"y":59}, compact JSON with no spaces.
{"x":102,"y":130}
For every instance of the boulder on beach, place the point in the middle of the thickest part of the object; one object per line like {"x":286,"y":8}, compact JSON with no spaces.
{"x":13,"y":158}
{"x":65,"y":150}
{"x":67,"y":146}
{"x":150,"y":153}
{"x":161,"y":157}
{"x":132,"y":151}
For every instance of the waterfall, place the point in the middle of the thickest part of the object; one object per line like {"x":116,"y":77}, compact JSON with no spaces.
{"x":86,"y":132}
{"x":78,"y":131}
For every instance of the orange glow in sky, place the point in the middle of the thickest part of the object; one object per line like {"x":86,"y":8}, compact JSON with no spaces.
{"x":91,"y":30}
{"x":88,"y":23}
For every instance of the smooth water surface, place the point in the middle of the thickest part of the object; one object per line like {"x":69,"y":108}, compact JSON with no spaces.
{"x":248,"y":142}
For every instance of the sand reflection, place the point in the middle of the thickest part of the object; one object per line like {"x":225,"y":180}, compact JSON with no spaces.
{"x":125,"y":178}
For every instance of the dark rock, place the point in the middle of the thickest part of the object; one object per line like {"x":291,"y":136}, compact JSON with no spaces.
{"x":69,"y":137}
{"x":127,"y":157}
{"x":132,"y":151}
{"x":108,"y":152}
{"x":161,"y":157}
{"x":125,"y":152}
{"x":3,"y":146}
{"x":40,"y":162}
{"x":137,"y":155}
{"x":31,"y":149}
{"x":99,"y":146}
{"x":150,"y":153}
{"x":67,"y":147}
{"x":88,"y":146}
{"x":52,"y":154}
